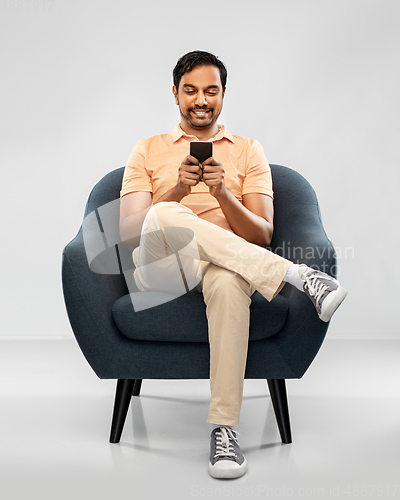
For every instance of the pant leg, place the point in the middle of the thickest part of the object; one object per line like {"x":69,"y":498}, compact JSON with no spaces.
{"x":261,"y":268}
{"x":227,"y":297}
{"x":232,"y":267}
{"x":166,"y":260}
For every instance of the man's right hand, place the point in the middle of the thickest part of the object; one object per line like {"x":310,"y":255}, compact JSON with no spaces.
{"x":190,"y":174}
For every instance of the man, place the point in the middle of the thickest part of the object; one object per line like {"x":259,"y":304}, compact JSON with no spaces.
{"x":224,"y":207}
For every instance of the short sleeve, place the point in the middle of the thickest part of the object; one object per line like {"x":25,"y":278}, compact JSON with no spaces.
{"x":136,"y":177}
{"x":258,"y":177}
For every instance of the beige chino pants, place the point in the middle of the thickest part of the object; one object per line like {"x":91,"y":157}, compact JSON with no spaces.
{"x":179,"y":252}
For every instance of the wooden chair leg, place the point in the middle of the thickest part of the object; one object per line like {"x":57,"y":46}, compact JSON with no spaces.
{"x":121,"y":405}
{"x":136,"y":387}
{"x":277,"y":390}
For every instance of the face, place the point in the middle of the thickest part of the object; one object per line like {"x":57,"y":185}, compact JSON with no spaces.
{"x":200,"y":98}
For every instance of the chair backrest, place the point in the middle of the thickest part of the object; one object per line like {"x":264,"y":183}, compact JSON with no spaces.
{"x":297,"y":218}
{"x":299,"y":235}
{"x":292,"y":192}
{"x":100,"y":227}
{"x":105,"y":191}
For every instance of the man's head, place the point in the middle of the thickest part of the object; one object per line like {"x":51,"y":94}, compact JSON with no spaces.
{"x":199,"y":88}
{"x":198,"y":58}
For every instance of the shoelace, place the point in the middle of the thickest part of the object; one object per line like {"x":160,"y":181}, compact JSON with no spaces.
{"x":315,"y":286}
{"x":224,"y":445}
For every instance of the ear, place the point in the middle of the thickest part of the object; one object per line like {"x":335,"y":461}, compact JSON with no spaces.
{"x":175,"y":92}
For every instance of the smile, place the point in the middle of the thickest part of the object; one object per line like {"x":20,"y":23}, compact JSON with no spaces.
{"x":200,"y":112}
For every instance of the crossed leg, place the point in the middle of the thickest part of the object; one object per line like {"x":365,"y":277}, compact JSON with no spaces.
{"x":177,"y":251}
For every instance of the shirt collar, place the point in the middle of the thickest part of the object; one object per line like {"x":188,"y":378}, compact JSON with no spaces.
{"x":177,"y":133}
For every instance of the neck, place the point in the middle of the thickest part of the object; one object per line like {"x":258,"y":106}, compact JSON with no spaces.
{"x":201,"y":134}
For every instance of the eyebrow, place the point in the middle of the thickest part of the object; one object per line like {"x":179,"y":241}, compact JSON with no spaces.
{"x":189,"y":85}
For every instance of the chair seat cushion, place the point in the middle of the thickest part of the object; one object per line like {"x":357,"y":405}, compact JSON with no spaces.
{"x":184,"y":319}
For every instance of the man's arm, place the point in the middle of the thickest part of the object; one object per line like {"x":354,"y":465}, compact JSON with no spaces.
{"x":252,"y":220}
{"x":134,"y":206}
{"x":133,"y":210}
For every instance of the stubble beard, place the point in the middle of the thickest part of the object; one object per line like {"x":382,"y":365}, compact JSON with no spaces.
{"x":203,"y":123}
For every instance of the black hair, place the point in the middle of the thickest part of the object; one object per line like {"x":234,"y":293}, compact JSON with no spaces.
{"x":198,"y":58}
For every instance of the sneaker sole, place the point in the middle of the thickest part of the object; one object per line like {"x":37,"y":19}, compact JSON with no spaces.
{"x":334,"y":300}
{"x":227,"y":472}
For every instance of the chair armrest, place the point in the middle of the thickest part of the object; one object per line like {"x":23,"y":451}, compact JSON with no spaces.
{"x":302,"y":239}
{"x":89,"y":298}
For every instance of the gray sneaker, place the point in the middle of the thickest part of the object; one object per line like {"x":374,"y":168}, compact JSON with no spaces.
{"x":324,"y":291}
{"x":226,"y":459}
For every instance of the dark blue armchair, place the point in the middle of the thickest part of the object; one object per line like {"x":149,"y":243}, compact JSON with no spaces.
{"x":170,"y":340}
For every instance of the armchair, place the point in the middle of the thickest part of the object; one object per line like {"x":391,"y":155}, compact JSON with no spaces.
{"x":130,"y":345}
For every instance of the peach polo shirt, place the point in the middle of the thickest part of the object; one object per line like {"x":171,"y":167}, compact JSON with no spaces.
{"x":153,"y":166}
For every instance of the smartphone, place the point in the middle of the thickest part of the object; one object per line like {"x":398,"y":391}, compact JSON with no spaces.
{"x":201,"y":150}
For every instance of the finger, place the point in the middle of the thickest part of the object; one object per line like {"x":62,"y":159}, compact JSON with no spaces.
{"x":213,"y":174}
{"x":211,"y":161}
{"x":190,"y":181}
{"x":209,"y":169}
{"x":191,"y":160}
{"x":190,"y":176}
{"x":213,"y":169}
{"x":209,"y":178}
{"x":191,"y":169}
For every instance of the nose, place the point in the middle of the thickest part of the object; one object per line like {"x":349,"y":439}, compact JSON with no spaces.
{"x":201,"y":99}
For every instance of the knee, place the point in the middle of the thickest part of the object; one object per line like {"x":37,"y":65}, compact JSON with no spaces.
{"x":225,"y":284}
{"x":164,"y":209}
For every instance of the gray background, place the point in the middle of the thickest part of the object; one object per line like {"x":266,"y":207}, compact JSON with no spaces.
{"x":315,"y":81}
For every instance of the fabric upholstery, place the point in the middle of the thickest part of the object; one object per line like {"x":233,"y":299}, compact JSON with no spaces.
{"x":93,"y":300}
{"x":184,"y":319}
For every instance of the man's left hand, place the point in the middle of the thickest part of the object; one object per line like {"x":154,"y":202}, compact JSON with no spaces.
{"x":213,"y":176}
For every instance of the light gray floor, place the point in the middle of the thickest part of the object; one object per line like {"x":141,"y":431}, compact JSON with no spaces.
{"x":55,"y":421}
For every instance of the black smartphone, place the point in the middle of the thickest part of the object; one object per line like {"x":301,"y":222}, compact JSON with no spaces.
{"x":201,"y":150}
